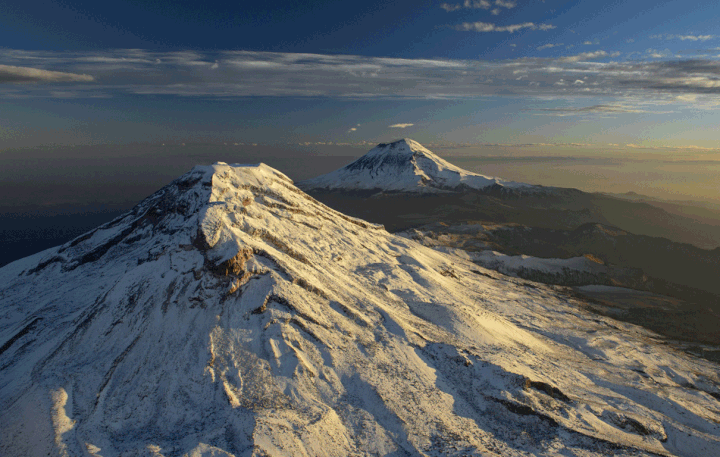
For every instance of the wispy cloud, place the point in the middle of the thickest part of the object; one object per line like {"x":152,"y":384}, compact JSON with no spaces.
{"x":549,"y":46}
{"x":232,"y":74}
{"x":490,"y":27}
{"x":695,"y":37}
{"x":658,"y":54}
{"x":13,"y":74}
{"x":400,"y":126}
{"x":479,"y":4}
{"x":584,"y":56}
{"x":450,"y":8}
{"x":615,"y":108}
{"x":667,"y":36}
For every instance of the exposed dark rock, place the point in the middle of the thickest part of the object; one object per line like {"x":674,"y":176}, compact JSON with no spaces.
{"x":547,"y":389}
{"x":25,"y":330}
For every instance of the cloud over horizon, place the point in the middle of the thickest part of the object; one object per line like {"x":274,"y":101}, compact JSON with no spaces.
{"x":19,"y":75}
{"x":229,"y":74}
{"x":615,"y":108}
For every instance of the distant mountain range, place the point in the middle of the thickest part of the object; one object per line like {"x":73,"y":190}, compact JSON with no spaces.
{"x":554,"y":235}
{"x":404,"y":185}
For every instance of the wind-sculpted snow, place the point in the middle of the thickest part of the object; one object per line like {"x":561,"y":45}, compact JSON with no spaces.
{"x":231,"y":314}
{"x":405,"y":166}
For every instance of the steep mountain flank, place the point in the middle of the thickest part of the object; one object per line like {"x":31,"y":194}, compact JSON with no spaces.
{"x":232,"y":314}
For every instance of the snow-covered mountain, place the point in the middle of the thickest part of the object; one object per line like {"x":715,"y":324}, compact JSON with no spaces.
{"x":232,"y":314}
{"x":404,"y":166}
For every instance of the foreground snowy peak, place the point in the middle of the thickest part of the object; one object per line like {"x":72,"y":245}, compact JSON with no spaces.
{"x":232,"y":314}
{"x":404,"y":166}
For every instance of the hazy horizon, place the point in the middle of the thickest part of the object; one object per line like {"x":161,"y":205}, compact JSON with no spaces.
{"x":117,"y":176}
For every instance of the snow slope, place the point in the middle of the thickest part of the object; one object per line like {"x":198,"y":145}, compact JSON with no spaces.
{"x":404,"y":166}
{"x":232,"y":314}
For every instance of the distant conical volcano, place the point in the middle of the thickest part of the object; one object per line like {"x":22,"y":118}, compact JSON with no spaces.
{"x":232,"y":314}
{"x":404,"y":166}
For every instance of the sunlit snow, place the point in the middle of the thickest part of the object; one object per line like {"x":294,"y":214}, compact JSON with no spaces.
{"x":232,"y":314}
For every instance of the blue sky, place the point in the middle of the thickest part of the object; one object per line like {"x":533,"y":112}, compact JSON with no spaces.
{"x":471,"y":71}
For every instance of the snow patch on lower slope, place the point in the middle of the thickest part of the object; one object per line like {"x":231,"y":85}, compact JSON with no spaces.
{"x":585,"y":269}
{"x":231,"y":314}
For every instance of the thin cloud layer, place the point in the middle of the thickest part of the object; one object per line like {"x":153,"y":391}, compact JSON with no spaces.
{"x":13,"y":74}
{"x":684,"y":37}
{"x":549,"y":46}
{"x":490,"y":27}
{"x":594,"y":109}
{"x":400,"y":126}
{"x":584,"y":56}
{"x":249,"y":74}
{"x":479,"y":4}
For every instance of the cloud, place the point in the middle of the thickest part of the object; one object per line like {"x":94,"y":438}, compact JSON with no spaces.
{"x":490,"y":27}
{"x":276,"y":74}
{"x":584,"y":56}
{"x":450,"y":8}
{"x":657,"y":54}
{"x":683,"y":148}
{"x":694,"y":82}
{"x":683,"y":37}
{"x":548,"y":46}
{"x":12,"y":74}
{"x":400,"y":126}
{"x":352,"y":129}
{"x":593,"y":109}
{"x":696,"y":37}
{"x":479,"y":4}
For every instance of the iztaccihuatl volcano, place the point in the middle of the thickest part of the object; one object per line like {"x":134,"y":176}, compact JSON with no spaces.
{"x":232,"y":314}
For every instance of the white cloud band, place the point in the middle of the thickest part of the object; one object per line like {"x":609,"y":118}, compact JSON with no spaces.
{"x":490,"y":27}
{"x":13,"y":74}
{"x":250,"y":74}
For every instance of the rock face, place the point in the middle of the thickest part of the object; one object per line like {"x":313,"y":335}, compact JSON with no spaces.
{"x":231,"y":314}
{"x":404,"y":166}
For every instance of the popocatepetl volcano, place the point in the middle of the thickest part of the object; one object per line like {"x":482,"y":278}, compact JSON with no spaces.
{"x":405,"y":166}
{"x":232,"y":314}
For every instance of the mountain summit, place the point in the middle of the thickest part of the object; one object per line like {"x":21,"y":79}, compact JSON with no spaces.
{"x":230,"y":314}
{"x":404,"y":166}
